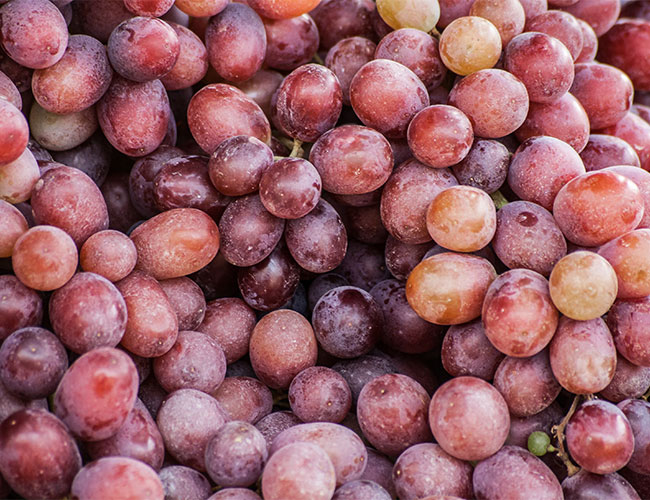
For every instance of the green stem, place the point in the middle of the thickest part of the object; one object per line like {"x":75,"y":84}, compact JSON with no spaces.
{"x":296,"y":150}
{"x":318,"y":59}
{"x":498,"y":199}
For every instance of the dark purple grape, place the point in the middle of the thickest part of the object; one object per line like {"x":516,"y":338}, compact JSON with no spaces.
{"x":32,"y":362}
{"x":630,"y":381}
{"x":361,"y":489}
{"x":379,"y":470}
{"x":340,"y":19}
{"x":522,"y":428}
{"x":637,"y":412}
{"x":271,"y":283}
{"x":319,"y":394}
{"x":291,"y":42}
{"x":604,"y":151}
{"x":275,"y":423}
{"x":587,"y":486}
{"x":39,"y":457}
{"x":346,"y":57}
{"x":485,"y":166}
{"x":236,"y":454}
{"x":20,"y":306}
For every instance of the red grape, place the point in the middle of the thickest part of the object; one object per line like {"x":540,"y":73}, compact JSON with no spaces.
{"x":627,"y":320}
{"x":560,"y":25}
{"x":244,"y":398}
{"x":290,"y":188}
{"x":604,"y":151}
{"x":347,"y":57}
{"x":184,"y":483}
{"x":291,"y":42}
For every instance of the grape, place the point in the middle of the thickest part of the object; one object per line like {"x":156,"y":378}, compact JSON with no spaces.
{"x":416,"y":50}
{"x":392,"y":413}
{"x":449,"y":288}
{"x":560,"y":25}
{"x":467,"y":351}
{"x":527,"y":236}
{"x":352,"y":159}
{"x":237,"y":165}
{"x":235,"y":494}
{"x":151,"y":395}
{"x":419,"y":14}
{"x":591,"y":80}
{"x":299,"y":471}
{"x":604,"y":151}
{"x":151,"y":8}
{"x":183,"y":182}
{"x":15,"y":132}
{"x":236,"y":42}
{"x":522,"y":428}
{"x":99,"y":20}
{"x":517,"y":474}
{"x":637,"y":411}
{"x":379,"y":470}
{"x":386,"y":95}
{"x":125,"y":99}
{"x":97,"y":393}
{"x":201,"y":8}
{"x":44,"y":258}
{"x":347,"y":57}
{"x":271,"y":283}
{"x":403,"y":329}
{"x":183,"y":483}
{"x":634,"y":130}
{"x":187,"y":421}
{"x":12,"y":226}
{"x":635,"y":8}
{"x":291,"y":42}
{"x":406,"y":197}
{"x":587,"y":485}
{"x":470,"y":44}
{"x":320,"y":394}
{"x":18,"y":178}
{"x":230,"y":322}
{"x":142,"y":175}
{"x":191,"y":64}
{"x":274,"y":423}
{"x":152,"y":325}
{"x":564,"y":119}
{"x":527,"y":384}
{"x":365,"y":225}
{"x":282,"y":345}
{"x":518,"y":314}
{"x":599,"y":437}
{"x":495,"y":101}
{"x":236,"y":454}
{"x":20,"y":306}
{"x":599,"y":14}
{"x":290,"y":188}
{"x":593,"y":370}
{"x":34,"y":32}
{"x":137,"y":438}
{"x":359,"y":371}
{"x":9,"y":92}
{"x":358,"y":490}
{"x":462,"y":218}
{"x":39,"y":457}
{"x":62,"y":132}
{"x":307,"y":103}
{"x":340,"y":19}
{"x":218,"y":112}
{"x":344,"y":448}
{"x":630,"y":381}
{"x":485,"y":166}
{"x":453,"y":9}
{"x":542,"y":63}
{"x":401,"y":258}
{"x":440,"y":136}
{"x":244,"y":398}
{"x":589,"y":43}
{"x":615,"y":199}
{"x":195,"y":361}
{"x":627,"y":256}
{"x":187,"y":300}
{"x":261,"y":87}
{"x":347,"y":322}
{"x":508,"y":16}
{"x":469,"y":418}
{"x":93,"y":157}
{"x":88,"y":312}
{"x":120,"y":477}
{"x":176,"y":243}
{"x":425,"y":469}
{"x":627,"y":321}
{"x":32,"y":362}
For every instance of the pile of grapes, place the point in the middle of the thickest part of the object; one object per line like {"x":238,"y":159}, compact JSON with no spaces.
{"x":325,"y":249}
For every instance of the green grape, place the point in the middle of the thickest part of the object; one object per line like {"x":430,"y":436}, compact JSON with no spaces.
{"x":538,"y":443}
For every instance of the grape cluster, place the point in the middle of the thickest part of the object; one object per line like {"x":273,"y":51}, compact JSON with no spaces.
{"x":325,"y":249}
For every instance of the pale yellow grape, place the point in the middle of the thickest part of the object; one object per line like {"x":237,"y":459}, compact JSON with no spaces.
{"x":419,"y":14}
{"x":470,"y":44}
